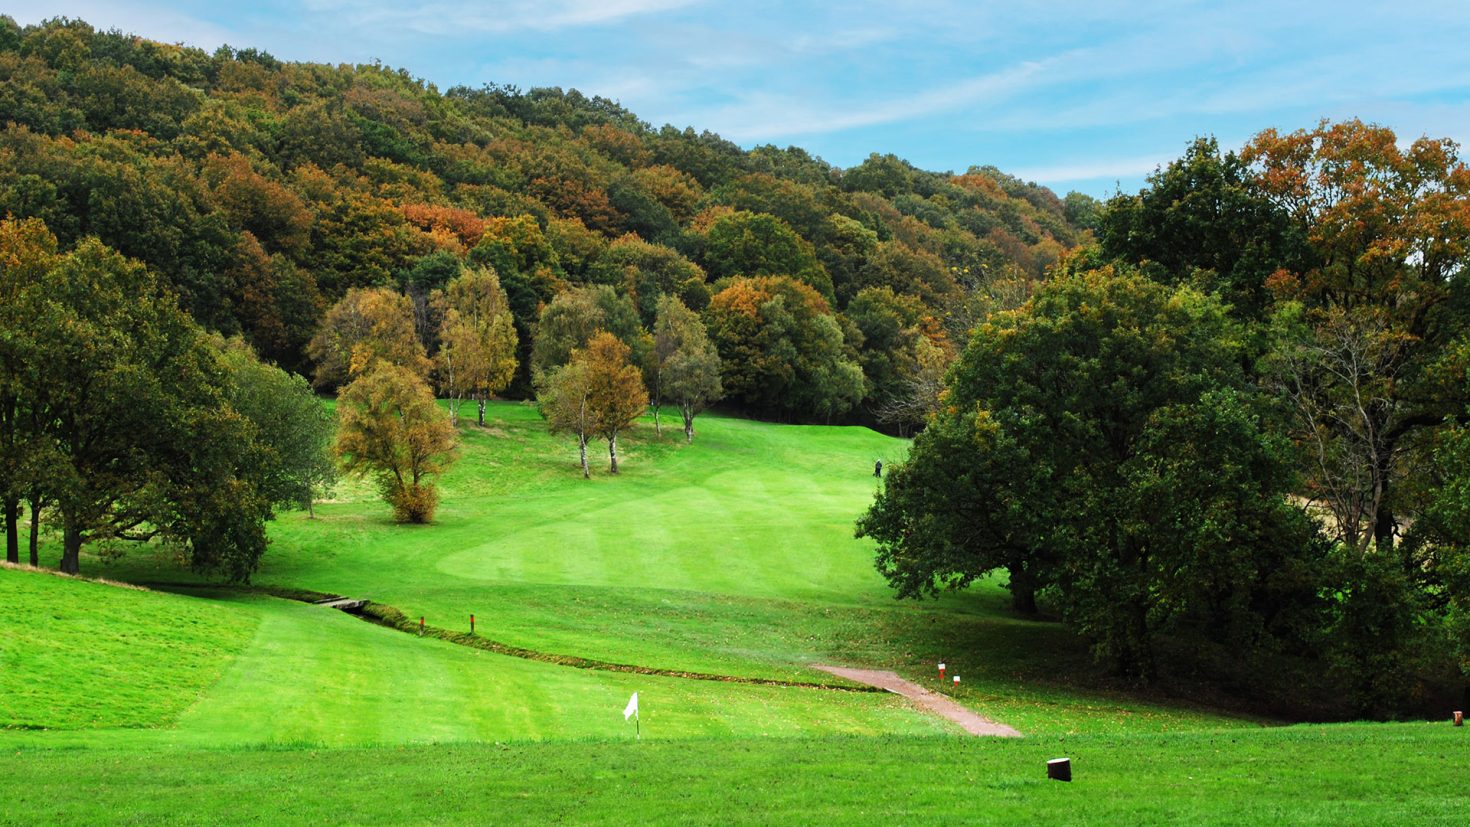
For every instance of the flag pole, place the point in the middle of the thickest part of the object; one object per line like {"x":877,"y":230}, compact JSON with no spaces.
{"x":637,"y":726}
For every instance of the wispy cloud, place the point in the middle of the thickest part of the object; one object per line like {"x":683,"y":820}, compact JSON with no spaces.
{"x":162,"y":24}
{"x":763,"y":116}
{"x":462,"y":17}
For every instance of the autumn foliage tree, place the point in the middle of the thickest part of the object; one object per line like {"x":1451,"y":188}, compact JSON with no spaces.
{"x":782,"y":350}
{"x":597,"y":393}
{"x":367,"y":327}
{"x":563,"y":400}
{"x":616,"y":394}
{"x":388,"y":426}
{"x":477,"y":340}
{"x":1372,"y":348}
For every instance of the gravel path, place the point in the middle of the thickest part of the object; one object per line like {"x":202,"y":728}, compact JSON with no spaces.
{"x":924,"y":699}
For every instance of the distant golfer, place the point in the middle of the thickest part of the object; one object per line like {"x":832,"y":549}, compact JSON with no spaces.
{"x":878,"y":468}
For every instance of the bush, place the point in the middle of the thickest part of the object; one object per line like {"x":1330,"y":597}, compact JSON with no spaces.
{"x":413,"y":503}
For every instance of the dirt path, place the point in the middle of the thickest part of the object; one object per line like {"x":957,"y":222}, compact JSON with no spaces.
{"x":924,"y":699}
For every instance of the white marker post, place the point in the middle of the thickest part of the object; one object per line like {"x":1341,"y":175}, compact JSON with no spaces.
{"x":941,"y":670}
{"x":956,"y":681}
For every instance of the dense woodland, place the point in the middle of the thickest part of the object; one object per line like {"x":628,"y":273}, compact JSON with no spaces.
{"x":261,"y":192}
{"x":1218,"y":427}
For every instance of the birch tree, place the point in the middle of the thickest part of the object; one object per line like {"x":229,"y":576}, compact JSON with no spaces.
{"x":685,"y":368}
{"x":477,"y":350}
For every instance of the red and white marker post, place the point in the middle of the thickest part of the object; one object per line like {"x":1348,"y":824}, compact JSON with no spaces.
{"x":941,"y":670}
{"x":956,"y":681}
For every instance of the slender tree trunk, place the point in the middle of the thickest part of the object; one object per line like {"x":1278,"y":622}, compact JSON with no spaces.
{"x":310,"y":507}
{"x":582,"y":446}
{"x":1136,"y":654}
{"x":481,"y":403}
{"x":688,"y":426}
{"x":612,"y":453}
{"x":1023,"y":590}
{"x":37,"y":503}
{"x":71,"y":545}
{"x":1383,"y":521}
{"x":12,"y":530}
{"x":656,"y":429}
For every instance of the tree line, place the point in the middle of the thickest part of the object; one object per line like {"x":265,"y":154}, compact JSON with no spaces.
{"x":262,"y":192}
{"x":1228,"y":440}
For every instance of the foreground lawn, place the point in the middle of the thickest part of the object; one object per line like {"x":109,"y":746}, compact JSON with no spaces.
{"x":291,"y":673}
{"x":1335,"y":775}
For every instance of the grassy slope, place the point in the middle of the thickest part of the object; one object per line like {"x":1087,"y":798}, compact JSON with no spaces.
{"x":75,"y":654}
{"x":1337,"y":775}
{"x":734,"y":555}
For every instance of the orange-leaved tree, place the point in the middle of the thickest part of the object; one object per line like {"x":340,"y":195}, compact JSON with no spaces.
{"x":1372,"y":349}
{"x":477,"y":341}
{"x":597,"y":393}
{"x":389,"y":425}
{"x":366,"y":327}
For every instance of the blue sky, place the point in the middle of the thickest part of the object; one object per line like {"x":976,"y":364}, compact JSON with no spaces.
{"x":1074,"y":95}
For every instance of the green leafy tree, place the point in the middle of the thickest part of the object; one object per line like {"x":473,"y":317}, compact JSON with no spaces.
{"x":900,"y":346}
{"x":293,"y":428}
{"x":27,"y":254}
{"x":389,"y":426}
{"x":128,"y":403}
{"x":1203,"y":221}
{"x":646,"y":272}
{"x":1100,"y":442}
{"x":575,"y":316}
{"x":685,"y":368}
{"x":744,"y":243}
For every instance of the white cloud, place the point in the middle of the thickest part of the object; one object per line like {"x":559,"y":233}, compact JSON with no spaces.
{"x":1095,"y":170}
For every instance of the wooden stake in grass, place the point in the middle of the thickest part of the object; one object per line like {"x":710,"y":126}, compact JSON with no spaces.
{"x":472,"y":624}
{"x":1059,"y":769}
{"x":421,"y":626}
{"x":1459,"y":718}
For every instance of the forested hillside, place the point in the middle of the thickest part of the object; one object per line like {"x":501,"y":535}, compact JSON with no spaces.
{"x":262,"y":191}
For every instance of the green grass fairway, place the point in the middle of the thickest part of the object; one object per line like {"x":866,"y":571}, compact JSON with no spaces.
{"x":1372,"y":775}
{"x":260,"y":670}
{"x":733,"y":555}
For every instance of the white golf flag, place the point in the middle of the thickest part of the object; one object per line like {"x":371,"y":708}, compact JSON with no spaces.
{"x":632,"y":708}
